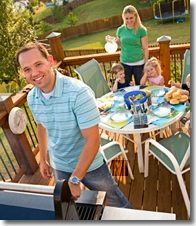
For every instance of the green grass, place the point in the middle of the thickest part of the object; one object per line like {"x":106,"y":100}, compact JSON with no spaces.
{"x":179,"y":33}
{"x":97,"y":9}
{"x":94,"y":10}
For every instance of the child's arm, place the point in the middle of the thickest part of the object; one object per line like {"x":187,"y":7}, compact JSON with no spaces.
{"x":186,"y":92}
{"x":143,"y":80}
{"x":162,"y":82}
{"x":176,"y":84}
{"x":115,"y":86}
{"x":131,"y":83}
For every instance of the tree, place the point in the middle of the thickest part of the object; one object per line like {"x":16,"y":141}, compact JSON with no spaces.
{"x":43,"y":27}
{"x":16,"y":29}
{"x":72,"y":18}
{"x":57,"y":12}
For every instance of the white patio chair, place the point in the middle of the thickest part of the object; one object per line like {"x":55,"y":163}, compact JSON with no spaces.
{"x":112,"y":149}
{"x":174,"y":153}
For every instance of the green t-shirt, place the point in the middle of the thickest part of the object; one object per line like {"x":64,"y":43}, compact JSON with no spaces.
{"x":131,"y":47}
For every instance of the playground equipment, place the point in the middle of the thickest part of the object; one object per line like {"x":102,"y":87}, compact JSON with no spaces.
{"x":169,"y":10}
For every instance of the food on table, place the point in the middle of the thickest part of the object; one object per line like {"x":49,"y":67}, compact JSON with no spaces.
{"x":174,"y":101}
{"x":107,"y":98}
{"x":136,"y":97}
{"x":105,"y":106}
{"x":175,"y":96}
{"x":147,"y":92}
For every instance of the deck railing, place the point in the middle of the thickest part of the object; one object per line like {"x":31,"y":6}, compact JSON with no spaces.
{"x":18,"y":152}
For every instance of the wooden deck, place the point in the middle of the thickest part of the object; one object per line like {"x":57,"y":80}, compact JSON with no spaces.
{"x":158,"y":192}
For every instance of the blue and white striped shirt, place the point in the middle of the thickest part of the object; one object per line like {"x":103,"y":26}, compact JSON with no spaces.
{"x":70,"y":108}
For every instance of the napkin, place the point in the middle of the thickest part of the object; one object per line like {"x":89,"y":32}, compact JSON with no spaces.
{"x":117,"y":125}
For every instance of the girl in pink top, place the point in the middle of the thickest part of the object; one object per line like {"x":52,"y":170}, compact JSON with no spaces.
{"x":152,"y":73}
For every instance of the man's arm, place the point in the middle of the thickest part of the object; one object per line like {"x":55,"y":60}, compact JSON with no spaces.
{"x":87,"y":156}
{"x":43,"y":149}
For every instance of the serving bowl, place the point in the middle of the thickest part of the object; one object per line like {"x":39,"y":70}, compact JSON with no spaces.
{"x":136,"y":96}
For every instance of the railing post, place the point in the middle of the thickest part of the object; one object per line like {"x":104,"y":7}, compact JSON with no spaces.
{"x":165,"y":56}
{"x":54,"y":40}
{"x":19,"y":143}
{"x":58,"y":53}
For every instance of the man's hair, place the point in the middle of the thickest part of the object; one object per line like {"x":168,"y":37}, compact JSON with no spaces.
{"x":116,"y":68}
{"x":32,"y":45}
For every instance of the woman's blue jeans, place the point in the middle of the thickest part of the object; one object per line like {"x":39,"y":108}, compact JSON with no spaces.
{"x":100,"y":180}
{"x":136,"y":71}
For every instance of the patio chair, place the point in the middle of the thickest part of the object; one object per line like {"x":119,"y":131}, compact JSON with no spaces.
{"x":90,"y":73}
{"x":112,"y":149}
{"x":174,"y":153}
{"x":187,"y":127}
{"x":187,"y":66}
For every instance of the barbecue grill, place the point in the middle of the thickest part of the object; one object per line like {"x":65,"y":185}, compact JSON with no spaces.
{"x":37,"y":202}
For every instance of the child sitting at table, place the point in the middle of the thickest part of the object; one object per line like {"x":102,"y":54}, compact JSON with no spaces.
{"x":152,"y":73}
{"x":185,"y":87}
{"x":119,"y":74}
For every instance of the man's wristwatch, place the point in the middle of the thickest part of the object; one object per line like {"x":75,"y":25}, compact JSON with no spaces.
{"x":74,"y":180}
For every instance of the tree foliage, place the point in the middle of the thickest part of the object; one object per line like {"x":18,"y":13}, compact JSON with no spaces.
{"x":43,"y":27}
{"x":72,"y":19}
{"x":57,"y":12}
{"x":16,"y":29}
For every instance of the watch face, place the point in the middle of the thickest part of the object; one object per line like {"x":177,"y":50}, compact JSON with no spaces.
{"x":74,"y":180}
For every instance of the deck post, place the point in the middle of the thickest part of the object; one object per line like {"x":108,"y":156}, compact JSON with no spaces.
{"x":164,"y":57}
{"x":58,"y":53}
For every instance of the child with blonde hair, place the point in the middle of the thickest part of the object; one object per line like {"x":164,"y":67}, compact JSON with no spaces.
{"x":152,"y":73}
{"x":184,"y":87}
{"x":119,"y":74}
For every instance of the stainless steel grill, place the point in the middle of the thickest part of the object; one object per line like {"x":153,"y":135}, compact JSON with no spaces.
{"x":36,"y":202}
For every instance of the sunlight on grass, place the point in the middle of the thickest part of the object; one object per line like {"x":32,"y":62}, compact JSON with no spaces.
{"x":95,"y":45}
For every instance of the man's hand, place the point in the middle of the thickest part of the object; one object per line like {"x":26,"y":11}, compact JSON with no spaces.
{"x":45,"y":170}
{"x":75,"y":190}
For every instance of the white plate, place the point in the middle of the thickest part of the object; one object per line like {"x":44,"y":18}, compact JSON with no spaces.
{"x":161,"y":93}
{"x":107,"y":97}
{"x":121,"y":116}
{"x":162,"y":111}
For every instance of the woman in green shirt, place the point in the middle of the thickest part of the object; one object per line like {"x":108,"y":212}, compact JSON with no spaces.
{"x":133,"y":39}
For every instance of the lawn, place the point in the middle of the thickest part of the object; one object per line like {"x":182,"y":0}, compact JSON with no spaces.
{"x":93,"y":10}
{"x":179,"y":32}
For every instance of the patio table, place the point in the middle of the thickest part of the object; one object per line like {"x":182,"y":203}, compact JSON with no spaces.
{"x":126,"y":128}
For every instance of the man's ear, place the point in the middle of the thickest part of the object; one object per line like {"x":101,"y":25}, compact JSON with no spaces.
{"x":51,"y":60}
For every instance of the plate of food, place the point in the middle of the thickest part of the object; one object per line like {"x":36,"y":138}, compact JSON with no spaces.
{"x":105,"y":106}
{"x":162,"y":111}
{"x":176,"y":96}
{"x":121,"y":116}
{"x":107,"y":98}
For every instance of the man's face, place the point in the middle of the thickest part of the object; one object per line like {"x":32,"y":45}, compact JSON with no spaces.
{"x":37,"y":69}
